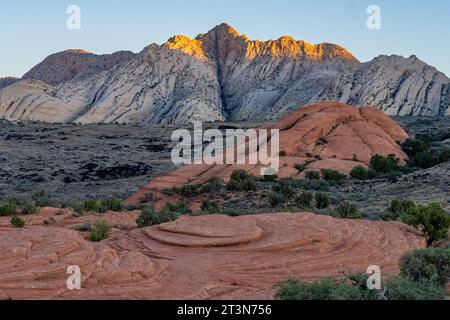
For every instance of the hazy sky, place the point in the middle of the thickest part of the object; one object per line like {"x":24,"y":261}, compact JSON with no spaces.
{"x":30,"y":30}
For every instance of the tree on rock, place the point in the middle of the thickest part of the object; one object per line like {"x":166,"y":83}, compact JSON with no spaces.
{"x":432,"y":220}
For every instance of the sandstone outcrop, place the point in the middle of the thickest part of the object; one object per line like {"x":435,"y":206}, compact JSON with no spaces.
{"x":210,"y":257}
{"x":324,"y":136}
{"x":216,"y":76}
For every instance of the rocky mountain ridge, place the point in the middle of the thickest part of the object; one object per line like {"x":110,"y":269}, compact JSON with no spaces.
{"x":220,"y":75}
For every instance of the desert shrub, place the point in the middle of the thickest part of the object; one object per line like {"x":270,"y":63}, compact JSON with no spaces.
{"x":285,"y":189}
{"x":180,"y":208}
{"x":332,"y":175}
{"x":149,"y":197}
{"x":282,"y":153}
{"x":305,"y":184}
{"x":400,"y":207}
{"x":384,"y":164}
{"x":190,"y":190}
{"x":322,"y":200}
{"x":92,"y":206}
{"x":29,"y":208}
{"x":215,"y":184}
{"x":413,"y":147}
{"x":300,"y":167}
{"x":112,"y":205}
{"x":348,"y":210}
{"x":42,"y":198}
{"x":210,"y":207}
{"x":149,"y":217}
{"x":427,"y":266}
{"x":444,"y":155}
{"x":431,"y":219}
{"x":423,"y":160}
{"x":241,"y":181}
{"x":361,"y":173}
{"x":401,"y":288}
{"x":8,"y":209}
{"x":275,"y":198}
{"x":312,"y":175}
{"x":348,"y":288}
{"x":17,"y":222}
{"x":304,"y":199}
{"x":100,"y":230}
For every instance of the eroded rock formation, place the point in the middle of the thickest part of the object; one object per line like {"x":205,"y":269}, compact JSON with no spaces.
{"x":219,"y":75}
{"x":210,"y":257}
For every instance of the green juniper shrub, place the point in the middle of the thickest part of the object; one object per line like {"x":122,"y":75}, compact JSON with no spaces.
{"x":149,"y":197}
{"x":322,"y":200}
{"x":100,"y":230}
{"x":400,"y":288}
{"x":426,"y":266}
{"x":444,"y":156}
{"x":332,"y":175}
{"x":285,"y":189}
{"x":17,"y":222}
{"x":312,"y":175}
{"x":304,"y":199}
{"x":215,"y":184}
{"x":112,"y":205}
{"x":190,"y":190}
{"x":149,"y":217}
{"x":8,"y":209}
{"x":424,"y":160}
{"x":359,"y":173}
{"x":431,"y":219}
{"x":275,"y":198}
{"x":400,"y":207}
{"x":300,"y":167}
{"x":179,"y":208}
{"x":348,"y":210}
{"x":210,"y":207}
{"x":317,"y":157}
{"x":413,"y":147}
{"x":384,"y":164}
{"x":309,"y":155}
{"x":282,"y":153}
{"x":29,"y":208}
{"x":348,"y":288}
{"x":241,"y":181}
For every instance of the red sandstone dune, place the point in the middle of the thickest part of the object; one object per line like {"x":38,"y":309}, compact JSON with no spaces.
{"x":343,"y":136}
{"x":209,"y":257}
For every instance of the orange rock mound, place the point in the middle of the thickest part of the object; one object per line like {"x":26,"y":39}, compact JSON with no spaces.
{"x":341,"y":136}
{"x":211,"y":257}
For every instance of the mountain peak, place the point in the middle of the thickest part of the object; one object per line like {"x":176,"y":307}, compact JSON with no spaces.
{"x":225,"y":28}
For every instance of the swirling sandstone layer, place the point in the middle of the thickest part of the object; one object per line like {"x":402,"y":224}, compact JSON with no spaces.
{"x":211,"y":257}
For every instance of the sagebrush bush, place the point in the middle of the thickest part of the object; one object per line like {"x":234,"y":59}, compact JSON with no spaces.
{"x":426,"y":266}
{"x":401,"y":288}
{"x":8,"y":210}
{"x":348,"y":210}
{"x":17,"y":222}
{"x":100,"y":230}
{"x":304,"y":199}
{"x":241,"y":181}
{"x":322,"y":200}
{"x":210,"y":207}
{"x":332,"y":175}
{"x":112,"y":205}
{"x":312,"y":175}
{"x":215,"y":184}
